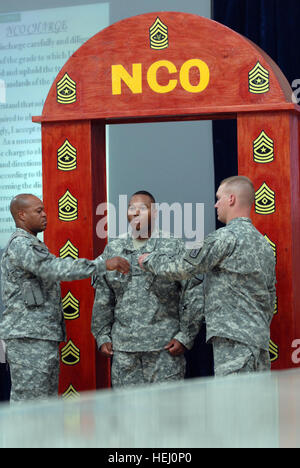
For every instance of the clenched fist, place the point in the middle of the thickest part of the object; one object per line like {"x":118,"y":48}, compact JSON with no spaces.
{"x":118,"y":263}
{"x":107,"y":349}
{"x":142,"y":258}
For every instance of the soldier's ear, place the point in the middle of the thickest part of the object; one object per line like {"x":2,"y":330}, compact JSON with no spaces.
{"x":232,"y":200}
{"x":21,"y":215}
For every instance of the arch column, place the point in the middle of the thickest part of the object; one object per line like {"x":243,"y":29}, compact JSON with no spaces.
{"x":74,"y":173}
{"x":268,"y":153}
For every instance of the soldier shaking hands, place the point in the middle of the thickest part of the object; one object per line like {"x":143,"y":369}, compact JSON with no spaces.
{"x":240,"y":280}
{"x":32,"y":325}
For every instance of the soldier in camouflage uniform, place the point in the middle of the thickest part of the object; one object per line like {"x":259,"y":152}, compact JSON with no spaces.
{"x":32,"y":325}
{"x":143,"y":322}
{"x":239,"y":284}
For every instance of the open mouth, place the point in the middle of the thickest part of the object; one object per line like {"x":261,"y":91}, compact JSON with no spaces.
{"x":135,"y":222}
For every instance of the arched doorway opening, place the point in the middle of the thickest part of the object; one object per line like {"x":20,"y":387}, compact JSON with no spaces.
{"x":161,"y":67}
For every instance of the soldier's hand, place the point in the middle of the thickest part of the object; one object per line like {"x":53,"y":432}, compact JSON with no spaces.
{"x":175,"y":348}
{"x":118,"y":263}
{"x":107,"y":349}
{"x":142,"y":258}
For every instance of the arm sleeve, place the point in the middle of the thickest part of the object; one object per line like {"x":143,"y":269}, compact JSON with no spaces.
{"x":272,"y":293}
{"x":103,"y":309}
{"x":191,"y":310}
{"x":38,"y":260}
{"x":189,"y":263}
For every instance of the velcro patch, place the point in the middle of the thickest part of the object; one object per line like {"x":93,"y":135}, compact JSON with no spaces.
{"x":41,"y":251}
{"x":193,"y":256}
{"x":194,"y":253}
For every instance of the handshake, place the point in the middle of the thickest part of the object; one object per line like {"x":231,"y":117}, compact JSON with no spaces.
{"x":122,"y":265}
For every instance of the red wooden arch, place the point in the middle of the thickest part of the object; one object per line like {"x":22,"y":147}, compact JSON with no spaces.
{"x":160,"y":67}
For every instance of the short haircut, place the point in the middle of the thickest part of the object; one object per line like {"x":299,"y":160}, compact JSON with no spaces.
{"x":144,"y":192}
{"x":244,"y":186}
{"x":20,"y":202}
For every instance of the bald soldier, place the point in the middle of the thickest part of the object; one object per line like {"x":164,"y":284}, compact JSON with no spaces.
{"x":240,"y":282}
{"x":32,"y":325}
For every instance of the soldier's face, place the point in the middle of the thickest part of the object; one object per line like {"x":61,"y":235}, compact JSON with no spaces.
{"x":33,"y":216}
{"x":140,"y":215}
{"x":223,"y":203}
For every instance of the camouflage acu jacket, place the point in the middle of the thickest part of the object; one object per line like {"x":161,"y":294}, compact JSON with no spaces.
{"x":30,"y":277}
{"x":141,"y":312}
{"x":239,"y":288}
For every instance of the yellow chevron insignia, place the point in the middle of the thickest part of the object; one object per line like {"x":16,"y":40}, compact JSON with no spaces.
{"x":66,"y":90}
{"x":67,"y":207}
{"x":70,"y":354}
{"x":70,"y":393}
{"x":276,"y":306}
{"x":259,"y":81}
{"x":264,"y":200}
{"x":159,"y":38}
{"x":70,"y":307}
{"x":274,"y":248}
{"x":263,"y":149}
{"x":69,"y":250}
{"x":66,"y":157}
{"x":274,"y":351}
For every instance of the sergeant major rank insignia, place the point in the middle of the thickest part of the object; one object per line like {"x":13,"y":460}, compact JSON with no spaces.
{"x":66,"y":157}
{"x":259,"y":81}
{"x":159,"y":37}
{"x":67,"y":207}
{"x":66,"y":90}
{"x":264,"y":200}
{"x":263,"y":149}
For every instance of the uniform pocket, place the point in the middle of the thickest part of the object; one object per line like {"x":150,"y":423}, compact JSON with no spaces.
{"x":32,"y":294}
{"x":164,"y":289}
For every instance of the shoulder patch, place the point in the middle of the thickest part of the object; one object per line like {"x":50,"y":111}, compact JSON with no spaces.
{"x":194,"y":253}
{"x":193,"y":256}
{"x":40,"y":251}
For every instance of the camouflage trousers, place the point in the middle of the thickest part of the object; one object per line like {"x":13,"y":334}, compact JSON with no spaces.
{"x":146,"y":367}
{"x":34,"y":368}
{"x":232,"y":357}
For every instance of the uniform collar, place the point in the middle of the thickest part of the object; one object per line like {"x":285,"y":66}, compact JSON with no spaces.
{"x":239,"y":220}
{"x":27,"y":234}
{"x":148,"y":247}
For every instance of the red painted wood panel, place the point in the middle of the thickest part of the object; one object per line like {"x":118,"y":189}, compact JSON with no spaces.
{"x":282,"y":226}
{"x":87,"y":184}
